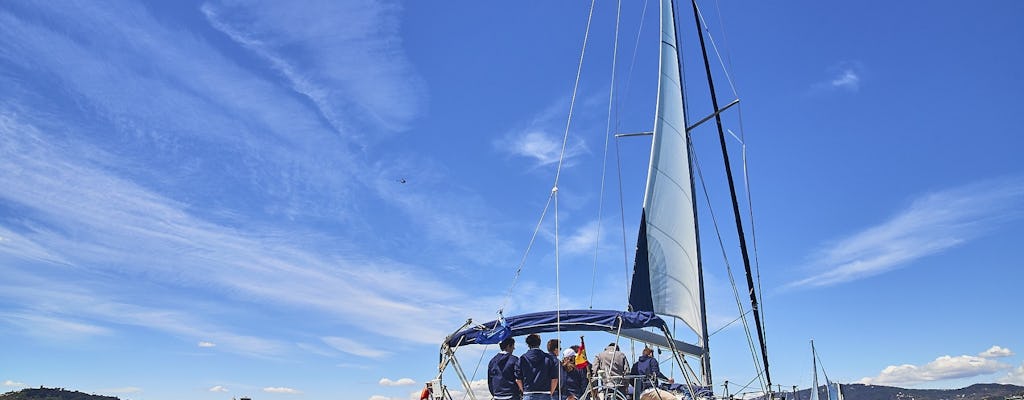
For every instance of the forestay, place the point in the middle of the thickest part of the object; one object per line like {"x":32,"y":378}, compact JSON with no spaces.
{"x":666,"y":276}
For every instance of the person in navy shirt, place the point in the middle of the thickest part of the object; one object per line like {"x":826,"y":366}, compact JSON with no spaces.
{"x":647,"y":366}
{"x":503,"y":373}
{"x":538,"y":371}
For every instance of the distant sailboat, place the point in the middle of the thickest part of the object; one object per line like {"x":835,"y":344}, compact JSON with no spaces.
{"x":667,"y":276}
{"x":832,"y":389}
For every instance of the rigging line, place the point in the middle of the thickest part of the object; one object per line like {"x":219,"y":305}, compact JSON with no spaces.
{"x":522,"y":262}
{"x":725,"y":36}
{"x":742,"y":316}
{"x":751,"y":382}
{"x":816,"y":356}
{"x":478,"y":362}
{"x":753,"y":230}
{"x":572,"y":102}
{"x":735,"y":204}
{"x":604,"y":159}
{"x":714,"y":46}
{"x":618,"y":156}
{"x":732,"y":84}
{"x":622,"y":218}
{"x":561,"y":161}
{"x":632,"y":62}
{"x":725,"y":257}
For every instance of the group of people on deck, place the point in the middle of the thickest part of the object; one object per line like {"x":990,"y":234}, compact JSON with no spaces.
{"x":553,"y":375}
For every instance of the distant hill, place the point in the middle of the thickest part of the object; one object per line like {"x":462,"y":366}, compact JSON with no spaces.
{"x":982,"y":391}
{"x":52,"y":394}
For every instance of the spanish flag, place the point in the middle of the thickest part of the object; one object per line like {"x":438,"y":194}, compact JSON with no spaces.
{"x":581,"y":356}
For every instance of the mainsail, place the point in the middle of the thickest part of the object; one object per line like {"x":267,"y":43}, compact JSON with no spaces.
{"x":666,"y":276}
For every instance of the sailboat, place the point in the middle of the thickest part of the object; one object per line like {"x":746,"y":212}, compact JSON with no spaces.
{"x":832,"y":389}
{"x":667,"y":280}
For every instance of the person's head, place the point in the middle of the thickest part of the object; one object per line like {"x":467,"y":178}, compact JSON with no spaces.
{"x":612,"y":347}
{"x":533,"y":341}
{"x":575,"y":348}
{"x":507,"y":344}
{"x":554,"y":346}
{"x":569,"y":359}
{"x":648,"y":351}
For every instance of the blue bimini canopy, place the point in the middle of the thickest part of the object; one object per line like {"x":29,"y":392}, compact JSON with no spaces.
{"x":565,"y":321}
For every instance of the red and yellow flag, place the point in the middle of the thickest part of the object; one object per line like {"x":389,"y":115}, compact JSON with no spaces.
{"x":581,"y":356}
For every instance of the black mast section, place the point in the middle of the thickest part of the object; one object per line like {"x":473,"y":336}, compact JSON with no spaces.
{"x":735,"y":203}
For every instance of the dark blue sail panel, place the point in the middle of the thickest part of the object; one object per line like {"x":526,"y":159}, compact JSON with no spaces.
{"x":565,"y":320}
{"x":640,"y":298}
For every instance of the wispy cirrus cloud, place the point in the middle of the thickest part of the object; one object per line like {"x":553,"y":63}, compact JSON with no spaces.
{"x":102,"y":217}
{"x":541,"y":139}
{"x":13,"y":383}
{"x":55,"y":327}
{"x":354,"y":347}
{"x":122,"y":390}
{"x":942,"y":368}
{"x":281,"y":390}
{"x":931,"y":224}
{"x":219,"y":389}
{"x":359,"y":75}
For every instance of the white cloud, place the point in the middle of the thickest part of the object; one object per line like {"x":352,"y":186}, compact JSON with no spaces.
{"x":847,"y":75}
{"x":583,"y":240}
{"x":1015,"y":377}
{"x":400,"y":382}
{"x":284,"y":390}
{"x":943,"y":368}
{"x":848,"y":79}
{"x":538,"y":146}
{"x":353,"y":347}
{"x":933,"y":223}
{"x":541,"y":138}
{"x":13,"y":383}
{"x":379,"y":397}
{"x":996,"y":351}
{"x":479,"y":388}
{"x":219,"y":388}
{"x":207,"y":344}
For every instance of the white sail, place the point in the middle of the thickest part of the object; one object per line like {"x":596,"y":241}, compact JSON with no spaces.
{"x":814,"y":364}
{"x":668,"y":242}
{"x":834,"y":392}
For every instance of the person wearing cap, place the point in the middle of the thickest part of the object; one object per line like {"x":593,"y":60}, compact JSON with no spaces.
{"x":503,"y":373}
{"x":571,"y":381}
{"x":538,"y":376}
{"x":647,"y":366}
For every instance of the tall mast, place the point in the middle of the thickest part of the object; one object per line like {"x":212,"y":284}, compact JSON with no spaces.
{"x":735,"y":202}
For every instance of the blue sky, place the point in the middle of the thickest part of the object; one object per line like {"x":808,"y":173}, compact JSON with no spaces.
{"x":221,"y":199}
